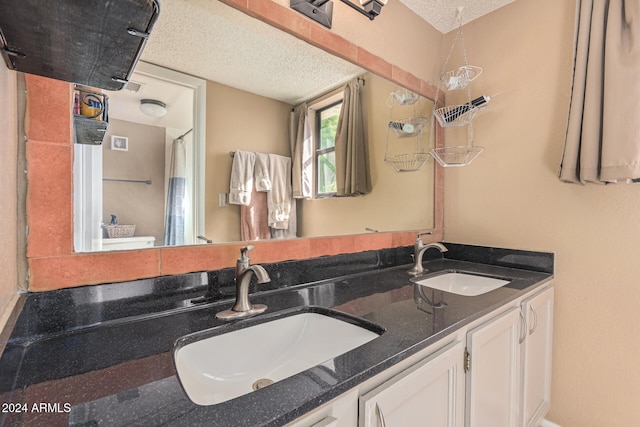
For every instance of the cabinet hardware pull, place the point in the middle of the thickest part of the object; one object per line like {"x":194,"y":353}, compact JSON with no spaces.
{"x":523,"y":327}
{"x":535,"y":320}
{"x":380,"y":415}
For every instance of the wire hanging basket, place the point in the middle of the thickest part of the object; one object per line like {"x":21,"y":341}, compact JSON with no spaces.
{"x":407,"y":162}
{"x":460,"y":115}
{"x":460,"y":155}
{"x":408,"y":127}
{"x":403,"y":97}
{"x":461,"y":77}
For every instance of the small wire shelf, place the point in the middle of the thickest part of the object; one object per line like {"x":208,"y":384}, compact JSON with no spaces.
{"x":455,"y":115}
{"x":456,"y":156}
{"x":407,"y":162}
{"x":403,"y":97}
{"x":403,"y":128}
{"x":460,"y":115}
{"x":461,"y":77}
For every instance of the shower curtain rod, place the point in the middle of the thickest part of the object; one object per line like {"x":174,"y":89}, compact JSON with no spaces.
{"x":330,"y":91}
{"x":148,"y":181}
{"x":185,"y":134}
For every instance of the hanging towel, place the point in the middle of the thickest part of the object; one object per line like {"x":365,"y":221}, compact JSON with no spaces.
{"x":292,"y":231}
{"x":279,"y":198}
{"x":241,"y":181}
{"x":254,"y":222}
{"x":261,"y":172}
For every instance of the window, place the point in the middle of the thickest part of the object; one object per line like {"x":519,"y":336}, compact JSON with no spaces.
{"x":325,"y":150}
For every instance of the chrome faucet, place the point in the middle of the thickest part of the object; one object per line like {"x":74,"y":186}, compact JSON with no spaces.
{"x":419,"y":248}
{"x":244,"y":273}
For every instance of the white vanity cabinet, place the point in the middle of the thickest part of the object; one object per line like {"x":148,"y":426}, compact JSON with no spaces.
{"x":494,"y":372}
{"x":431,"y":392}
{"x":509,"y":365}
{"x":536,"y":357}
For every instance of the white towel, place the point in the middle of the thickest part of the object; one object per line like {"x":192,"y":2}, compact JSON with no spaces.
{"x":261,"y":172}
{"x":241,"y":182}
{"x":279,"y":197}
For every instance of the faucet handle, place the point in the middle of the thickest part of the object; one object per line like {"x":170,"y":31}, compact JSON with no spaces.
{"x":243,"y":261}
{"x":244,"y":250}
{"x":424,"y":234}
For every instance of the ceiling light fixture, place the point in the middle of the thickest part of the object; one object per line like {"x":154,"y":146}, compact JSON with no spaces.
{"x":370,"y":8}
{"x":321,"y":11}
{"x":153,"y":107}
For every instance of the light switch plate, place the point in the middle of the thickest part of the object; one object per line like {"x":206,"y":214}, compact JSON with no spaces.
{"x":223,"y":200}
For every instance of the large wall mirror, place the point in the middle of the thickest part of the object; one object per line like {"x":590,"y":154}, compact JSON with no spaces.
{"x":252,"y":75}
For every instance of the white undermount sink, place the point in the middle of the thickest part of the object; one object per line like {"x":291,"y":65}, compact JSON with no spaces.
{"x":465,"y":284}
{"x":222,"y":367}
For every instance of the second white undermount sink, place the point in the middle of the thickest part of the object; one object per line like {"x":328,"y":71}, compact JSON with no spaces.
{"x":465,"y":284}
{"x":228,"y":365}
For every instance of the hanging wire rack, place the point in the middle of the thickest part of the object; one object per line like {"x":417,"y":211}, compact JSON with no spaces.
{"x":406,"y":149}
{"x":457,"y":115}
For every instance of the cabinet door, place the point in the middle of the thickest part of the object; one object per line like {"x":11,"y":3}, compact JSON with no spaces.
{"x":494,"y":376}
{"x":536,"y":357}
{"x":430,"y":393}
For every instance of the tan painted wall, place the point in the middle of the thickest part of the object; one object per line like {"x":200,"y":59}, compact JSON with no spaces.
{"x":511,"y":197}
{"x":134,"y":203}
{"x":8,"y":193}
{"x":237,"y":120}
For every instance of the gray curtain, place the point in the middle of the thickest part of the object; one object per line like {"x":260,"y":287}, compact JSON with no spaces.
{"x":603,"y":132}
{"x":352,"y":157}
{"x":301,"y":140}
{"x":176,"y":204}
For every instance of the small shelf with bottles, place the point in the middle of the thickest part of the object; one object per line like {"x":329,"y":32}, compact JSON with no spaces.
{"x":90,"y":115}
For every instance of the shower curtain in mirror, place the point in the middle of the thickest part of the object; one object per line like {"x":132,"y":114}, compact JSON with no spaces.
{"x":603,"y":133}
{"x":176,"y":195}
{"x":352,"y":157}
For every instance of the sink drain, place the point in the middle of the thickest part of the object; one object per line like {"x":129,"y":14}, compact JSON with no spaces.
{"x":261,"y":383}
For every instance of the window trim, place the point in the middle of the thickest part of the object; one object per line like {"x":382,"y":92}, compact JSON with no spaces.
{"x":329,"y":100}
{"x":317,"y":151}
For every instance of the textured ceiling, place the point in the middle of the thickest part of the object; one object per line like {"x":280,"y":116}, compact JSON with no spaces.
{"x":210,"y":40}
{"x":125,"y":104}
{"x":443,"y":14}
{"x":213,"y":41}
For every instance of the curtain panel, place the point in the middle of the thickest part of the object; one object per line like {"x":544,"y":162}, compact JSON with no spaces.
{"x":602,"y":142}
{"x":301,"y":141}
{"x":352,"y":158}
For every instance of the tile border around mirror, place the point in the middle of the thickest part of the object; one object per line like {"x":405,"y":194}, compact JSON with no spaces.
{"x":54,"y":265}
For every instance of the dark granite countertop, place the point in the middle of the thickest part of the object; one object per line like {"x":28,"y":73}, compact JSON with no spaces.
{"x":120,"y":371}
